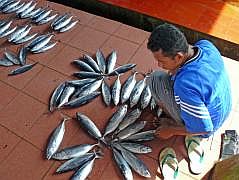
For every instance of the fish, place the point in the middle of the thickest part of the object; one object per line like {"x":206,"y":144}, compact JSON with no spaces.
{"x":131,"y":129}
{"x":75,"y":162}
{"x":122,"y":165}
{"x":62,"y":23}
{"x":68,"y":26}
{"x":122,"y":69}
{"x":65,"y":96}
{"x":55,"y":97}
{"x":83,"y":65}
{"x":111,"y":62}
{"x":22,"y":34}
{"x":89,"y":88}
{"x":133,"y":161}
{"x":86,"y":74}
{"x":10,"y":6}
{"x":100,"y":61}
{"x":116,"y":91}
{"x":16,"y":33}
{"x":106,"y":93}
{"x":129,"y":119}
{"x":115,"y":119}
{"x":81,"y":82}
{"x":27,"y":11}
{"x":136,"y":92}
{"x":36,"y":41}
{"x":4,"y":27}
{"x":24,"y":8}
{"x":41,"y":44}
{"x":81,"y":100}
{"x":6,"y":33}
{"x":73,"y":151}
{"x":83,"y":172}
{"x":6,"y":62}
{"x":127,"y":88}
{"x":58,"y":19}
{"x":15,"y":8}
{"x":89,"y":125}
{"x":142,"y":136}
{"x":25,"y":39}
{"x":55,"y":139}
{"x":38,"y":14}
{"x":45,"y":48}
{"x":22,"y":69}
{"x":12,"y":57}
{"x":89,"y":60}
{"x":145,"y":97}
{"x":47,"y":19}
{"x":22,"y":55}
{"x":136,"y":148}
{"x":32,"y":13}
{"x":41,"y":16}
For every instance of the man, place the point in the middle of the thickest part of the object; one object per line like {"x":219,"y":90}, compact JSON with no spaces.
{"x":195,"y":90}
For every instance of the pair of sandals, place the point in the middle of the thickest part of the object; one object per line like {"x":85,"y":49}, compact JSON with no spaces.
{"x":169,"y":164}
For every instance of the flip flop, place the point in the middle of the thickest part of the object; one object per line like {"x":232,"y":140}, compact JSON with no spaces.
{"x":168,"y":164}
{"x":195,"y":154}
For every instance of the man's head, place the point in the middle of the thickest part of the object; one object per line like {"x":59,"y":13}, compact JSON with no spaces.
{"x":169,"y":46}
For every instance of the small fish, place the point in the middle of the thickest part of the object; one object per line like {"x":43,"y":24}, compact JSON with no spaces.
{"x":89,"y":126}
{"x":136,"y":92}
{"x":36,"y":41}
{"x":4,"y":27}
{"x":47,"y":19}
{"x":24,"y":8}
{"x":89,"y":60}
{"x":6,"y":33}
{"x":22,"y":69}
{"x":58,"y":19}
{"x":62,"y":23}
{"x":122,"y":69}
{"x":106,"y":93}
{"x":27,"y":11}
{"x":41,"y":44}
{"x":22,"y":34}
{"x":55,"y":139}
{"x":142,"y":136}
{"x":145,"y":97}
{"x":116,"y":91}
{"x":115,"y":119}
{"x":42,"y":16}
{"x":25,"y":39}
{"x":6,"y":62}
{"x":86,"y":74}
{"x":73,"y":151}
{"x":100,"y":61}
{"x":32,"y":13}
{"x":89,"y":88}
{"x":128,"y":88}
{"x":68,"y":26}
{"x":16,"y":33}
{"x":22,"y":55}
{"x":83,"y":172}
{"x":12,"y":57}
{"x":65,"y":96}
{"x":122,"y":165}
{"x":136,"y":148}
{"x":55,"y":97}
{"x":131,"y":129}
{"x":81,"y":82}
{"x":111,"y":62}
{"x":10,"y":6}
{"x":83,"y":65}
{"x":45,"y":48}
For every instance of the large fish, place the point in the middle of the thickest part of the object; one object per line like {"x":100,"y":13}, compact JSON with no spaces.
{"x":142,"y":136}
{"x":89,"y":60}
{"x":145,"y":97}
{"x":73,"y":151}
{"x":86,"y":74}
{"x":136,"y":148}
{"x":89,"y":125}
{"x":65,"y":96}
{"x":106,"y":93}
{"x":122,"y":165}
{"x":111,"y":62}
{"x":115,"y":120}
{"x":136,"y":92}
{"x":81,"y":82}
{"x":55,"y":139}
{"x":122,"y":69}
{"x":116,"y":91}
{"x":127,"y":88}
{"x":22,"y":69}
{"x":55,"y":97}
{"x":100,"y":60}
{"x":83,"y":65}
{"x":89,"y":88}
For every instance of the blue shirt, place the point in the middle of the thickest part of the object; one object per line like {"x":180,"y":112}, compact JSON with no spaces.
{"x":202,"y":89}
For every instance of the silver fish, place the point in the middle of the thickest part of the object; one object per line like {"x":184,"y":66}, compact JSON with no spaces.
{"x":22,"y":69}
{"x":5,"y":62}
{"x":22,"y":55}
{"x":122,"y":69}
{"x":88,"y":125}
{"x":83,"y":172}
{"x":89,"y":88}
{"x":47,"y":19}
{"x":100,"y":61}
{"x":129,"y":119}
{"x":24,"y":8}
{"x":10,"y":6}
{"x":36,"y":41}
{"x":137,"y":164}
{"x":66,"y":94}
{"x":68,"y":26}
{"x":41,"y":44}
{"x":116,"y":91}
{"x":73,"y":151}
{"x":106,"y":93}
{"x":6,"y":33}
{"x":123,"y":165}
{"x":42,"y":16}
{"x":115,"y":120}
{"x":89,"y":60}
{"x":111,"y":62}
{"x":58,"y":19}
{"x":86,"y":74}
{"x":136,"y":92}
{"x":75,"y":162}
{"x":32,"y":13}
{"x":4,"y":27}
{"x":81,"y":82}
{"x":127,"y":88}
{"x":22,"y":34}
{"x":55,"y":97}
{"x":77,"y":102}
{"x":142,"y":136}
{"x":62,"y":23}
{"x":12,"y":57}
{"x":55,"y":139}
{"x":145,"y":97}
{"x":136,"y":148}
{"x":83,"y":65}
{"x":25,"y":39}
{"x":17,"y":33}
{"x":132,"y":129}
{"x":15,"y":8}
{"x":27,"y":11}
{"x":45,"y":48}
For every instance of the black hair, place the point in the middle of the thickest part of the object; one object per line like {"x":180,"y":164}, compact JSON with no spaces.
{"x":169,"y":39}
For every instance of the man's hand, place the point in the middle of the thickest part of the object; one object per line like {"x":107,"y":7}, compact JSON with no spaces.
{"x":164,"y":132}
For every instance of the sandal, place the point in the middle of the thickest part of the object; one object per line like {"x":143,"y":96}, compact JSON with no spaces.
{"x":195,"y":154}
{"x":168,"y":164}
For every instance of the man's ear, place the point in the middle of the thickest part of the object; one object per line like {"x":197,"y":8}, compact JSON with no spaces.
{"x":179,"y":57}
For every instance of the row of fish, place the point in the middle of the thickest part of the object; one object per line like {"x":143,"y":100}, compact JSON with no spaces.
{"x":81,"y":157}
